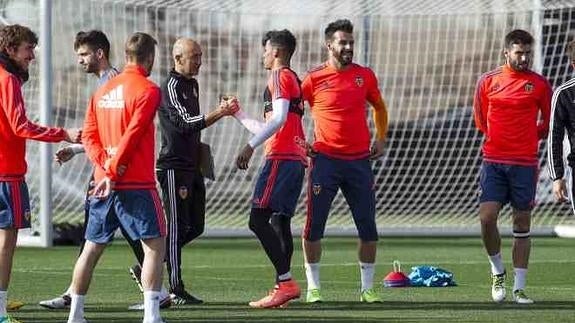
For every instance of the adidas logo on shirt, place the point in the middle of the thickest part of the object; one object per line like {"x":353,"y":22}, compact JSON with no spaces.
{"x":113,"y":99}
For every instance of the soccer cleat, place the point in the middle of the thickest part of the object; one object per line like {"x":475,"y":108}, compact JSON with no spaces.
{"x":282,"y":293}
{"x":164,"y":303}
{"x":520,"y":298}
{"x":58,"y":303}
{"x":8,"y":319}
{"x":14,"y":305}
{"x":313,"y":296}
{"x":182,"y":297}
{"x":136,"y":272}
{"x":498,"y":288}
{"x":370,"y":296}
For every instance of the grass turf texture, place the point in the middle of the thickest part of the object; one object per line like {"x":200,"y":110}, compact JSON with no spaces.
{"x":227,"y":273}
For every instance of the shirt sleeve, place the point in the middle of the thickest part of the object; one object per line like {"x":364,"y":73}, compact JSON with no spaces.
{"x":13,"y":105}
{"x":91,"y":137}
{"x":143,"y":116}
{"x":379,"y":109}
{"x":174,"y":111}
{"x":560,"y":118}
{"x":480,"y":106}
{"x":307,"y":89}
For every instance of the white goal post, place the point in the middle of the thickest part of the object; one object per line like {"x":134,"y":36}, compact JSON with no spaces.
{"x":427,"y":55}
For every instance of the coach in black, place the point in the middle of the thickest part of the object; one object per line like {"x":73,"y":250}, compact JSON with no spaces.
{"x":178,"y":171}
{"x":563,"y":121}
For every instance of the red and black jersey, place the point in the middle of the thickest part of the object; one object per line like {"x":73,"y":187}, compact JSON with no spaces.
{"x":283,"y":83}
{"x":506,"y":107}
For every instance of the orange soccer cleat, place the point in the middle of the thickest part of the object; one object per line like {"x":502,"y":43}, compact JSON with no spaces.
{"x":282,"y":293}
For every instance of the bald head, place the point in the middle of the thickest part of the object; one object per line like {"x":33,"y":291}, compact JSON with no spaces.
{"x":187,"y":55}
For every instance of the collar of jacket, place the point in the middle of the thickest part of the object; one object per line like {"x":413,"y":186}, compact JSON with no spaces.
{"x":180,"y":77}
{"x":13,"y":68}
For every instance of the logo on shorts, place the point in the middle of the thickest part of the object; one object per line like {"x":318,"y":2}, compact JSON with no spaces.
{"x":316,"y":189}
{"x":529,"y":87}
{"x":183,"y":192}
{"x":27,"y":215}
{"x":359,"y":81}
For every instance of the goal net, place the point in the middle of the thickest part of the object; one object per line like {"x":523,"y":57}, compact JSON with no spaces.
{"x":427,"y":55}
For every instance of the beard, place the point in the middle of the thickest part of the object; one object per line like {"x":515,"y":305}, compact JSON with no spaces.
{"x":345,"y":57}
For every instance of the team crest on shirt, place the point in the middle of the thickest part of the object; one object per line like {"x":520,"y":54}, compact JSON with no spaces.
{"x":316,"y":189}
{"x":359,"y":81}
{"x":495,"y":87}
{"x":183,"y":192}
{"x":529,"y":87}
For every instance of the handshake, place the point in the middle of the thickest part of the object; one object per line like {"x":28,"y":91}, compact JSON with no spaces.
{"x":229,"y":104}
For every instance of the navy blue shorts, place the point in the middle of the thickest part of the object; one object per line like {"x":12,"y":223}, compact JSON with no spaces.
{"x":14,"y":205}
{"x":505,"y":183}
{"x":355,"y":179}
{"x":279,"y":185}
{"x":139,"y":212}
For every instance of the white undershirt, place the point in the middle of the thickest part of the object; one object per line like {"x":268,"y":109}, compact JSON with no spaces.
{"x":263,"y":130}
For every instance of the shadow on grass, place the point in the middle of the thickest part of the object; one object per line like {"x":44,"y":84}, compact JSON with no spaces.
{"x":228,"y":312}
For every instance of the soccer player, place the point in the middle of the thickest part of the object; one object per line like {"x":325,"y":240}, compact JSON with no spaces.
{"x":178,"y":167}
{"x":506,"y":107}
{"x":119,"y":139}
{"x":92,"y":49}
{"x":279,"y":183}
{"x":562,"y":116}
{"x":17,"y":45}
{"x":337,"y":92}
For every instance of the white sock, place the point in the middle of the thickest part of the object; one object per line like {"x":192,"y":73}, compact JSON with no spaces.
{"x":151,"y":306}
{"x":367,"y":270}
{"x":163,"y":292}
{"x":496,"y":262}
{"x":284,"y":277}
{"x":3,"y":300}
{"x":312,"y":275}
{"x":520,"y":278}
{"x":76,"y":308}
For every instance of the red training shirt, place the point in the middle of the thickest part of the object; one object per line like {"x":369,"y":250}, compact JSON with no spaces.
{"x":506,"y":109}
{"x":119,"y":129}
{"x":338,"y":107}
{"x":15,"y":128}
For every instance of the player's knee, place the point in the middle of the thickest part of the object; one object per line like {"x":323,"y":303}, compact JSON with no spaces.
{"x":258,"y":219}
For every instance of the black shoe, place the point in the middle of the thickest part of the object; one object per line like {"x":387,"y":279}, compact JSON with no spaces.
{"x":136,"y":272}
{"x":182,"y":297}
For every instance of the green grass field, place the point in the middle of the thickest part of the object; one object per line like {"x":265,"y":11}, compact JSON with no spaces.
{"x":227,"y":273}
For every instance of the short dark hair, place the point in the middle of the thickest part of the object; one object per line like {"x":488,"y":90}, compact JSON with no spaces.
{"x":95,"y":39}
{"x":519,"y":37}
{"x":571,"y":50}
{"x":281,"y":38}
{"x":139,"y":46}
{"x":339,"y":25}
{"x":11,"y":36}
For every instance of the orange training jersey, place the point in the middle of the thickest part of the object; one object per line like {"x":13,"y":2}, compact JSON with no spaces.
{"x":119,"y":129}
{"x":506,"y":109}
{"x":284,"y":84}
{"x":15,"y":128}
{"x":338,"y":108}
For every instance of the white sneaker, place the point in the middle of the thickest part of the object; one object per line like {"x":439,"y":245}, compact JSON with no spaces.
{"x":498,"y":288}
{"x":520,"y":298}
{"x":58,"y":303}
{"x":78,"y":321}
